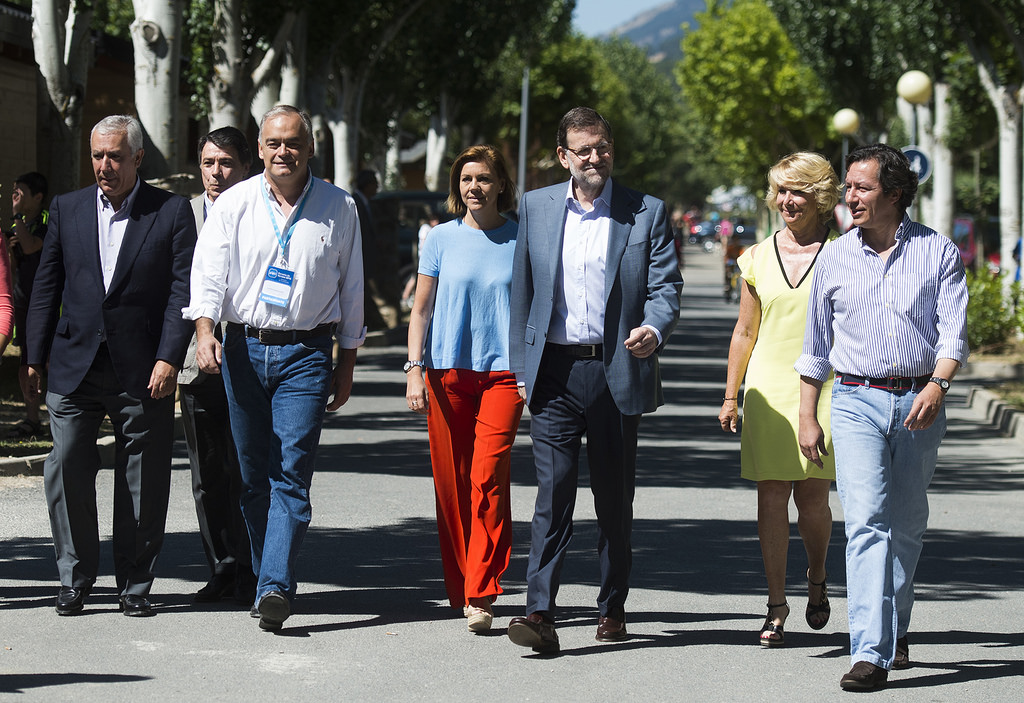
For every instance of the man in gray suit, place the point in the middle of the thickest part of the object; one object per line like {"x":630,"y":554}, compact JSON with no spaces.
{"x":224,"y":160}
{"x":595,"y":294}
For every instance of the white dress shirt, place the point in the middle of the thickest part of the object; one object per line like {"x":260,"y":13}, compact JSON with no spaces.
{"x":324,"y":253}
{"x":579,"y":300}
{"x":111,"y":227}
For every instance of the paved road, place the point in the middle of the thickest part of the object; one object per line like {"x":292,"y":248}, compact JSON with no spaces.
{"x":371,"y":625}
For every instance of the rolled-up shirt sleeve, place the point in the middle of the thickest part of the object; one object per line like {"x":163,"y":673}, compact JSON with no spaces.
{"x":813,"y":362}
{"x":951,"y":308}
{"x":210,"y":265}
{"x":351,"y":330}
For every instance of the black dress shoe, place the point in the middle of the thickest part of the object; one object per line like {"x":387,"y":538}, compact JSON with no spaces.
{"x":220,"y":586}
{"x":534,"y":631}
{"x":135,"y":606}
{"x":274,"y":610}
{"x":611,"y":628}
{"x":902,"y":658}
{"x":864,"y":676}
{"x":245,"y":589}
{"x":70,"y":599}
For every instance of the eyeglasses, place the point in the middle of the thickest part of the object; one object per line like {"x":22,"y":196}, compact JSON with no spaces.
{"x":585,"y":152}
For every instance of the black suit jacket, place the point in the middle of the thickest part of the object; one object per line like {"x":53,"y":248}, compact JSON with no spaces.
{"x":140,"y":316}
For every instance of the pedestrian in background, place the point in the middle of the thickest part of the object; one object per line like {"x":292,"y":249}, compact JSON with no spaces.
{"x":25,"y":242}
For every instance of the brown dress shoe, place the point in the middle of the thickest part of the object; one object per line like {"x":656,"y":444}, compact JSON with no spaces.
{"x":535,"y":631}
{"x":902,"y":658}
{"x":864,"y":676}
{"x":611,"y":628}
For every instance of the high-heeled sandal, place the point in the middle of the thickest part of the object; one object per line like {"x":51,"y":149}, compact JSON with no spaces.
{"x":772,"y":635}
{"x":822,"y":608}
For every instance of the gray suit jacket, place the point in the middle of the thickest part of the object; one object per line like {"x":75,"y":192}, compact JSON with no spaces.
{"x":190,"y":372}
{"x":642,"y":287}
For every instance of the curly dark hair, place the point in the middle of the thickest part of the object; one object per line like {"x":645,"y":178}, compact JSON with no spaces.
{"x":894,"y":173}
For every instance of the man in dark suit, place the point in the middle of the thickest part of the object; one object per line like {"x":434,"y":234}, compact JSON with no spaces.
{"x":106,"y":314}
{"x":595,"y":294}
{"x":224,"y":160}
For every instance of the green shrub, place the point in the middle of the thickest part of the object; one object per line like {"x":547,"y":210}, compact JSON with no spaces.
{"x":990,"y":320}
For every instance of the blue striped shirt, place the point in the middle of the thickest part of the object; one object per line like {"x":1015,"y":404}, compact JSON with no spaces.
{"x":877,"y":318}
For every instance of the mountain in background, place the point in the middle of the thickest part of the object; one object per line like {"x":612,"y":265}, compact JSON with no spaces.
{"x":659,"y":30}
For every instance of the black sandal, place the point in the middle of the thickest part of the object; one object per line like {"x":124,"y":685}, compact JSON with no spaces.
{"x":822,"y":608}
{"x":770,"y":628}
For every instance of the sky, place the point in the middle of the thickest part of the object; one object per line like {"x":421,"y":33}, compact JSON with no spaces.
{"x":595,"y":17}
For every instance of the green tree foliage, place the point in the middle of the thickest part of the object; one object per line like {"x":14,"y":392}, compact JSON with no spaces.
{"x":745,"y":83}
{"x":990,"y":320}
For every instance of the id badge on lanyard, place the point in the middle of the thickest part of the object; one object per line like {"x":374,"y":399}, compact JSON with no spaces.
{"x":279,"y":280}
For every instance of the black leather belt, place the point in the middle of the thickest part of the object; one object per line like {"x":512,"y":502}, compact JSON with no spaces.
{"x":277,"y":337}
{"x":579,"y":351}
{"x":893,"y":384}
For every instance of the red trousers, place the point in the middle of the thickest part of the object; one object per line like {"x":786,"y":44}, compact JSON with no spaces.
{"x":472,"y":421}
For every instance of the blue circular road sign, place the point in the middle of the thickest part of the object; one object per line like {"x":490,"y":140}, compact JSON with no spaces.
{"x":919,"y":162}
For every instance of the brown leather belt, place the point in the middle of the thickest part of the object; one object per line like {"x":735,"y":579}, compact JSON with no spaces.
{"x":894,"y":384}
{"x":278,"y":337}
{"x":578,"y":351}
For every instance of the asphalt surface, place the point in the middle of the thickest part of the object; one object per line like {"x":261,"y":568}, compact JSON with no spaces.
{"x":371,"y":622}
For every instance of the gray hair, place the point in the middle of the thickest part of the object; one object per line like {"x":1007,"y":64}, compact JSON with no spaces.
{"x":279,"y":110}
{"x":121,"y":124}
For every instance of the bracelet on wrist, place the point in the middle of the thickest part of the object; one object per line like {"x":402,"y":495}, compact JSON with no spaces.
{"x":736,"y":398}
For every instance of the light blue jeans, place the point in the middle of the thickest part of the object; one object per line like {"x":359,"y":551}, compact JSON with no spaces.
{"x":882,"y":476}
{"x":277,"y":395}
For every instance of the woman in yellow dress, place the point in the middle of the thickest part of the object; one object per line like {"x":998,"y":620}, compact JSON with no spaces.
{"x":766,"y":342}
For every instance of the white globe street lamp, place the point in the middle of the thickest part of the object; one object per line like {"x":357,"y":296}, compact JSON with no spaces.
{"x":846,"y":122}
{"x":916,"y":88}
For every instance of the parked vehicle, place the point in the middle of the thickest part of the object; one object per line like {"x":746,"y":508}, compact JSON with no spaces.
{"x":404,"y":212}
{"x":703,"y":234}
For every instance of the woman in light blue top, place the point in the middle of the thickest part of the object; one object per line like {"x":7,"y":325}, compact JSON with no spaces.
{"x":458,"y":333}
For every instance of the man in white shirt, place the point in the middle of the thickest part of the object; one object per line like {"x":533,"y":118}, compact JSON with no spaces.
{"x":280,"y":261}
{"x":595,"y":294}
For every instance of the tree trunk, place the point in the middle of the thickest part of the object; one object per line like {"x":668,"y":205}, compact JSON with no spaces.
{"x":437,"y":145}
{"x":943,"y":195}
{"x":235,"y":79}
{"x":1006,"y":101}
{"x":230,"y":82}
{"x":392,"y":176}
{"x":156,"y":36}
{"x":341,"y":122}
{"x":63,"y":51}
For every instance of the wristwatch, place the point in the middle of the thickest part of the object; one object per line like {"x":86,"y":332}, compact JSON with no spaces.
{"x":941,"y":382}
{"x":410,"y":365}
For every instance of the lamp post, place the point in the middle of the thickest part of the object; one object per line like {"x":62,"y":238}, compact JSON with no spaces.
{"x":916,"y":88}
{"x":846,"y":122}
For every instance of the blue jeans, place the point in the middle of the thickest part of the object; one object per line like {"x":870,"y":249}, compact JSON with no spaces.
{"x":277,"y":395}
{"x":882,"y":476}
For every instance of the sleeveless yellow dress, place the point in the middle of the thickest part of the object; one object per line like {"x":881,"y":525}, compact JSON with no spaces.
{"x":771,"y":399}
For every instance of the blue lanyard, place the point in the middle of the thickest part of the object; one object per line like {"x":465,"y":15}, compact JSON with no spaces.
{"x":283,"y":241}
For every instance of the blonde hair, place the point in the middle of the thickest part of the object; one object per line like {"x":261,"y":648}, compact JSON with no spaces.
{"x":809,"y":173}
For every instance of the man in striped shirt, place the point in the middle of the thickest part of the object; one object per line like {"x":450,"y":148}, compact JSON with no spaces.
{"x":888,"y":315}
